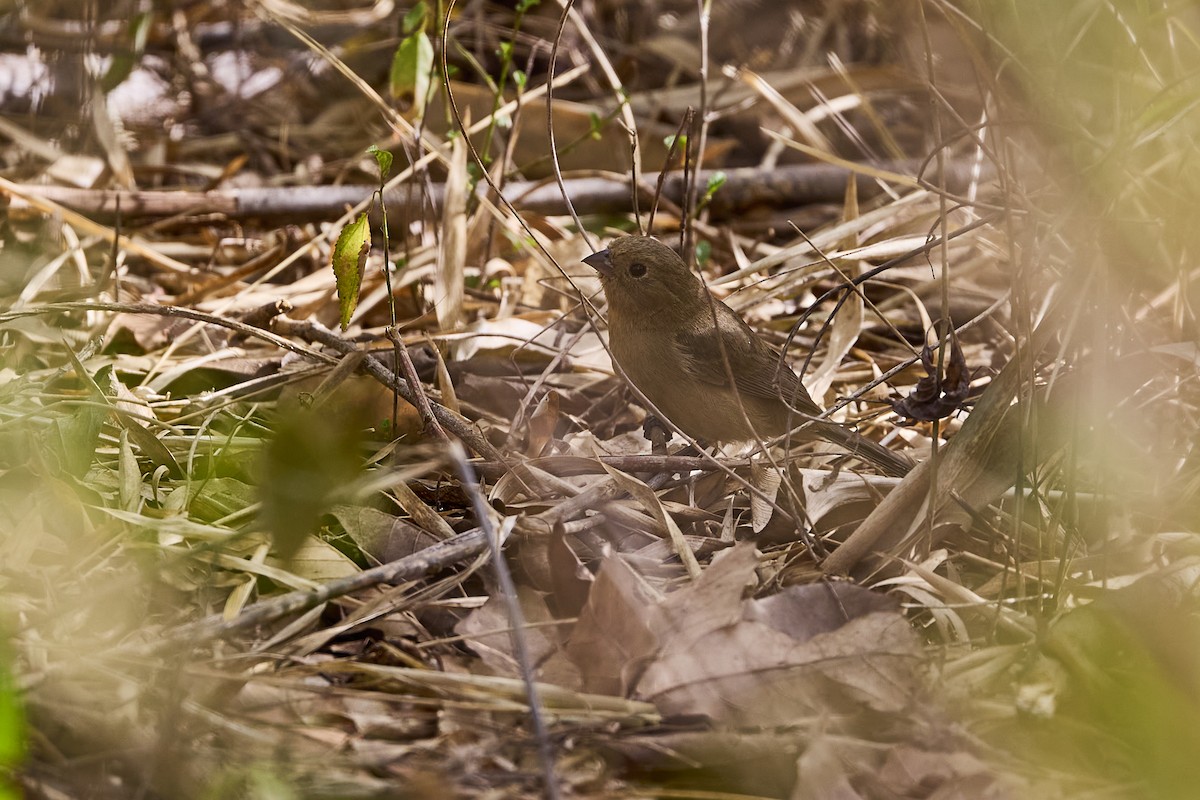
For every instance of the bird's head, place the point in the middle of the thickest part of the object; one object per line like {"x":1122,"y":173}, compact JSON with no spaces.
{"x":643,"y":275}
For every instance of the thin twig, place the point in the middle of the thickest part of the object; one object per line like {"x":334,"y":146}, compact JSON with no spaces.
{"x":704,"y":9}
{"x":558,"y":176}
{"x":418,"y":389}
{"x":172,"y":311}
{"x":516,"y":619}
{"x":437,"y":556}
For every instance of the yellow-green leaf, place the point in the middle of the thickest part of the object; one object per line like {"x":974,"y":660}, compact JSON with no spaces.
{"x":349,"y":260}
{"x":415,"y":18}
{"x":412,"y":67}
{"x":383,"y":160}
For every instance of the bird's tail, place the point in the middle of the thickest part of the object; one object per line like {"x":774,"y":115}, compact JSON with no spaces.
{"x":863,"y":448}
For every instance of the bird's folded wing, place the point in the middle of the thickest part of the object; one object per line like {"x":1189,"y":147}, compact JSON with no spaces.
{"x":756,"y":367}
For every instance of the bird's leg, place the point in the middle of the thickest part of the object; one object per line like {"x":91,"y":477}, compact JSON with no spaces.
{"x":658,"y":434}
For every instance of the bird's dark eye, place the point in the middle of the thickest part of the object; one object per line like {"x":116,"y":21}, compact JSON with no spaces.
{"x":637,"y":270}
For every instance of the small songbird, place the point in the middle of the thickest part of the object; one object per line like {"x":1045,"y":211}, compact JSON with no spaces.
{"x":661,"y":331}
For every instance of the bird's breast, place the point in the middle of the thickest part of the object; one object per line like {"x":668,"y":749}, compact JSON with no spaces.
{"x":654,"y":363}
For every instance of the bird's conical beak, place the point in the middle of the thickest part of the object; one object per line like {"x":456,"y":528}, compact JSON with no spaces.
{"x":601,"y":262}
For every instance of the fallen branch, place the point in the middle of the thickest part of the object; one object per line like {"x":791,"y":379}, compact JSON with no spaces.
{"x":435,"y":557}
{"x":597,"y":193}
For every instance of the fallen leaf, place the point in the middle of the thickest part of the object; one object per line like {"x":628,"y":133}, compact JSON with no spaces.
{"x":612,"y":638}
{"x":488,"y":631}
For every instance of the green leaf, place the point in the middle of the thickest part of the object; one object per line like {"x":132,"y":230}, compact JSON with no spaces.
{"x":72,"y":441}
{"x":349,"y":260}
{"x":126,"y":58}
{"x":216,"y":498}
{"x":312,"y":457}
{"x":12,"y":726}
{"x":129,"y":484}
{"x":415,"y":19}
{"x":383,"y":160}
{"x":382,"y":536}
{"x":412,"y":68}
{"x":715,"y":181}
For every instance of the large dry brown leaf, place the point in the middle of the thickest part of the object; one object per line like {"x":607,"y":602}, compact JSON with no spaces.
{"x":488,"y":631}
{"x":709,"y":651}
{"x":753,"y":673}
{"x":612,"y":638}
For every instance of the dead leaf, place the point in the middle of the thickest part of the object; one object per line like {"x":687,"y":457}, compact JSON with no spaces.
{"x":650,"y":502}
{"x":912,"y":772}
{"x":767,"y":481}
{"x":488,"y":631}
{"x":613,"y":638}
{"x":571,"y":580}
{"x":821,"y":773}
{"x":938,"y":394}
{"x":824,"y":648}
{"x":847,"y":323}
{"x":542,"y":423}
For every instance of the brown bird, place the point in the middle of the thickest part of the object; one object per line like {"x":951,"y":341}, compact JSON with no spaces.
{"x":661,"y":331}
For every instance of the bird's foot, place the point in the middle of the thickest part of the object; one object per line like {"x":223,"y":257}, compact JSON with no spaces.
{"x":658,"y":434}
